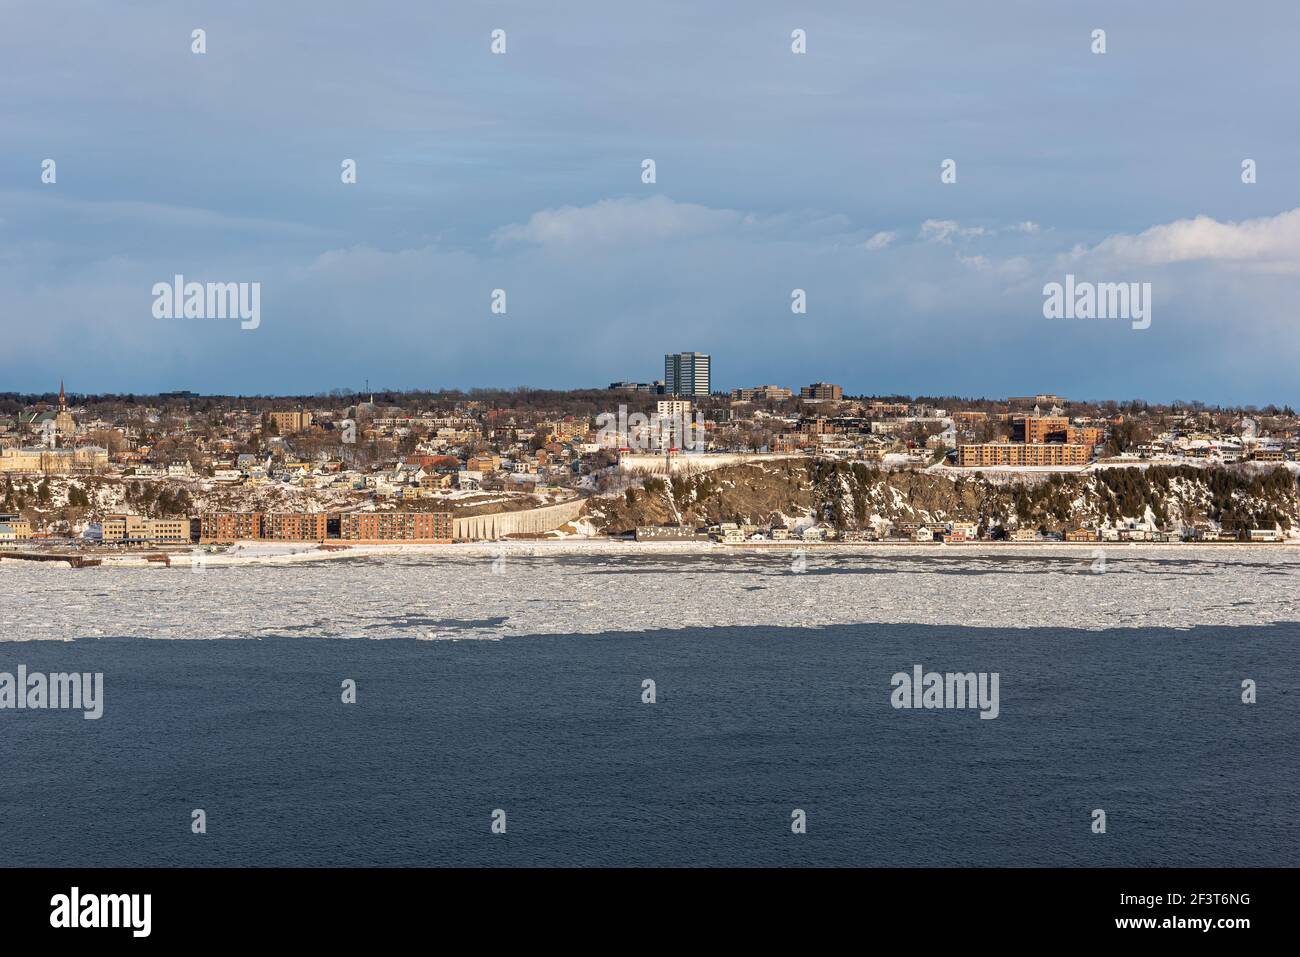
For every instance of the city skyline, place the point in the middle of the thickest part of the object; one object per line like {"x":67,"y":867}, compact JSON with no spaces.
{"x":728,"y":390}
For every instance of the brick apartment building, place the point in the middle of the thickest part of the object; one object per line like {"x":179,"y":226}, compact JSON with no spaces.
{"x":1088,"y":436}
{"x":230,"y":526}
{"x":295,"y":526}
{"x":395,"y":526}
{"x":1036,"y":429}
{"x":1022,"y":454}
{"x":226,"y":527}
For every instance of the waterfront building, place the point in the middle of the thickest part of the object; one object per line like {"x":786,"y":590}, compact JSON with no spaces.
{"x":125,"y":529}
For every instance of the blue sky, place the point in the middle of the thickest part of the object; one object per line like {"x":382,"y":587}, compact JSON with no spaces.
{"x":775,"y":171}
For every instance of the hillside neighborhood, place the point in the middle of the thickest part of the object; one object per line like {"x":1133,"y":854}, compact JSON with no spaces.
{"x":652,"y":461}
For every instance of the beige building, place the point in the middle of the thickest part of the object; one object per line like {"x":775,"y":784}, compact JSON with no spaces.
{"x":288,"y":423}
{"x":563,"y":429}
{"x":674,"y":407}
{"x":822,"y":392}
{"x":13,"y":528}
{"x":137,"y":528}
{"x":43,"y":461}
{"x":761,"y":393}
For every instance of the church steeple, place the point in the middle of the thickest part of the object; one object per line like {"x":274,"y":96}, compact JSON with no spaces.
{"x":65,"y":427}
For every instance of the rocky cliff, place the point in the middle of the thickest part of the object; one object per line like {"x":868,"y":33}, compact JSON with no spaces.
{"x":849,"y":496}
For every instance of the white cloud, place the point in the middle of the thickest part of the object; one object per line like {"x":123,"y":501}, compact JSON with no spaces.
{"x":880,"y":240}
{"x":945,"y":230}
{"x":1267,"y":241}
{"x":624,"y":220}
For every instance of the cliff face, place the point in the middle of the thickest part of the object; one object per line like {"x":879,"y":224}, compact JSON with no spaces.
{"x":850,"y":496}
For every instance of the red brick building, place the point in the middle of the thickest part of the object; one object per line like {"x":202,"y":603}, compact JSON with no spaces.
{"x":295,"y":526}
{"x":395,"y":526}
{"x":230,"y":526}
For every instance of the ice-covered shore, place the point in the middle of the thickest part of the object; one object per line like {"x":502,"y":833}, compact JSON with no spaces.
{"x":494,"y":590}
{"x":275,"y":553}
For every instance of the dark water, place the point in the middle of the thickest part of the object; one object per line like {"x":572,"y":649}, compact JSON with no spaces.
{"x":750,"y":724}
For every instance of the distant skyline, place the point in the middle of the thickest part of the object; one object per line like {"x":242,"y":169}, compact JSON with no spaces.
{"x":775,"y":172}
{"x":74,"y":395}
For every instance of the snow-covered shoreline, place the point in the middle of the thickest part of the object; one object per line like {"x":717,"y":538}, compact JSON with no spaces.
{"x":279,"y":553}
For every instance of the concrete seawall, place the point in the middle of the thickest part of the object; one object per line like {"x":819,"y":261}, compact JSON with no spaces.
{"x":529,"y":521}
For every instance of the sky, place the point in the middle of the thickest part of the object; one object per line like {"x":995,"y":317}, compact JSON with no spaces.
{"x":774,"y":171}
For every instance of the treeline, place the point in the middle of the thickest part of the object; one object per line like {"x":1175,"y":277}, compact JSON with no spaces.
{"x":27,"y":493}
{"x":24,"y":493}
{"x":159,"y":500}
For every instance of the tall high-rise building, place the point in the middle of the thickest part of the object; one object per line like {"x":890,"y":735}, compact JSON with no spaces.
{"x":686,"y":373}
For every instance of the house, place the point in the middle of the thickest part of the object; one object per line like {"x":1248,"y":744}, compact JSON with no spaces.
{"x":1081,"y":535}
